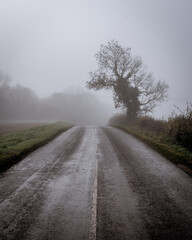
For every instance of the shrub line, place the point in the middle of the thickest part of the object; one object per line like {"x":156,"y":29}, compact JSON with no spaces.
{"x":182,"y":160}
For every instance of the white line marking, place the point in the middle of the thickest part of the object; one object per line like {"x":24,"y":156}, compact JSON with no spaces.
{"x":93,"y":226}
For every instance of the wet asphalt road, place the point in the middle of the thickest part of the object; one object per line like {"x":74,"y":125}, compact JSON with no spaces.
{"x":95,"y":183}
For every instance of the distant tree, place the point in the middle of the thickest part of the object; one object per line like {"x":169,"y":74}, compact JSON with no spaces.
{"x":4,"y":82}
{"x":17,"y":102}
{"x":134,"y":89}
{"x":4,"y":94}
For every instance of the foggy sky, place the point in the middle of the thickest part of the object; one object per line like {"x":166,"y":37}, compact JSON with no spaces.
{"x":49,"y":45}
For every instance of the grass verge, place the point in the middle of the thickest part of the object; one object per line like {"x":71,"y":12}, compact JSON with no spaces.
{"x":164,"y":145}
{"x":15,"y":146}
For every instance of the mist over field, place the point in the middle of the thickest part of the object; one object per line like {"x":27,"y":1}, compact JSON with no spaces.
{"x":49,"y":47}
{"x":18,"y":103}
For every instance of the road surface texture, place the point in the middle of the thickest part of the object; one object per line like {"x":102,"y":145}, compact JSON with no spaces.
{"x":95,"y":183}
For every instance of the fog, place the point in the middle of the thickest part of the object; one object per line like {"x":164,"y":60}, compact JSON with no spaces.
{"x":18,"y":103}
{"x":48,"y":46}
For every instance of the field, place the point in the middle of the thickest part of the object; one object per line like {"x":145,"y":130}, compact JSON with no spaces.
{"x":9,"y":127}
{"x":18,"y":143}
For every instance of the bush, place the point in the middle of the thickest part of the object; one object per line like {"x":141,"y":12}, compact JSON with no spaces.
{"x":180,"y":127}
{"x":118,"y":119}
{"x":152,"y":124}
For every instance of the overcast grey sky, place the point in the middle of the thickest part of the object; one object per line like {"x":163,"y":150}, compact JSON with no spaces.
{"x":49,"y":45}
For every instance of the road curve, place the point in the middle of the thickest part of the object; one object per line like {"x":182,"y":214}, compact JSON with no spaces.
{"x":95,"y":183}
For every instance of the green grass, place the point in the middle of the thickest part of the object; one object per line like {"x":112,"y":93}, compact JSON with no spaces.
{"x":15,"y":146}
{"x":164,"y":145}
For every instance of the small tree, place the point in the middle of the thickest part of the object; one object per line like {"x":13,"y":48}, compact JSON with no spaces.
{"x":134,"y":89}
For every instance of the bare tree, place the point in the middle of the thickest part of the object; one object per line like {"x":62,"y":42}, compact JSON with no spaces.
{"x":4,"y":82}
{"x":4,"y":94}
{"x":134,"y":89}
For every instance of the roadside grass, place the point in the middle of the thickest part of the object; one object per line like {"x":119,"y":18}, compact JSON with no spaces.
{"x":163,"y":144}
{"x":15,"y":146}
{"x":14,"y":126}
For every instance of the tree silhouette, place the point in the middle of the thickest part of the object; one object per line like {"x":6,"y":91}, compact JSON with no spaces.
{"x":134,"y":89}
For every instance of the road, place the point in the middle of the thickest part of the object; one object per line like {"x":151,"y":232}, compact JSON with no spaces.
{"x":95,"y":183}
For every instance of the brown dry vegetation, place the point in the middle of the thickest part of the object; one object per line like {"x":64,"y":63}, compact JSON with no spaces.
{"x":171,"y":137}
